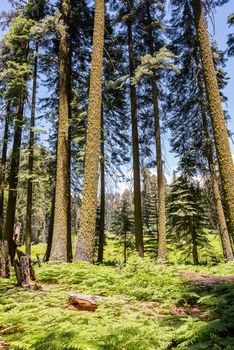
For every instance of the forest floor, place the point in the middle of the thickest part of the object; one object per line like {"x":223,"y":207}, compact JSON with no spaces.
{"x":141,"y":306}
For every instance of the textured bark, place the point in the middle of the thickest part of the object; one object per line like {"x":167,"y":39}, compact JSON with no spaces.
{"x":161,"y":255}
{"x":13,"y":178}
{"x":28,"y":229}
{"x":135,"y":146}
{"x":3,"y":167}
{"x":102,"y":213}
{"x":69,"y":233}
{"x":24,"y":270}
{"x":5,"y":260}
{"x":223,"y":150}
{"x":223,"y":230}
{"x":60,"y":225}
{"x":86,"y":236}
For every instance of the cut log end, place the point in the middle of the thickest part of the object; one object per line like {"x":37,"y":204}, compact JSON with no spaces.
{"x":82,"y":302}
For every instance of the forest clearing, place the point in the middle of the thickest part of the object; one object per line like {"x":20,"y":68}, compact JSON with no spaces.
{"x":116,"y":175}
{"x":140,"y":306}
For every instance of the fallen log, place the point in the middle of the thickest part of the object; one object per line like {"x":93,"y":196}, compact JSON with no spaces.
{"x":82,"y":302}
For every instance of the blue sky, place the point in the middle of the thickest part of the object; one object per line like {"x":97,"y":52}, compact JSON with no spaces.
{"x":219,"y":33}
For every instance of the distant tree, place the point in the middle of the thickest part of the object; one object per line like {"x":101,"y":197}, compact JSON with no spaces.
{"x":187,"y":217}
{"x":123,"y":223}
{"x":149,"y":202}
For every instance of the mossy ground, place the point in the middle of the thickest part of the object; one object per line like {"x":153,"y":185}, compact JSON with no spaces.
{"x":143,"y":306}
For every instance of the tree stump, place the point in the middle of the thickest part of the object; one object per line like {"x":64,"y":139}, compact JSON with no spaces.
{"x":24,"y":269}
{"x":5,"y":260}
{"x":82,"y":302}
{"x":39,"y":260}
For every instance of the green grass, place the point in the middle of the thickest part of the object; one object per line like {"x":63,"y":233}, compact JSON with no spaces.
{"x":135,"y":311}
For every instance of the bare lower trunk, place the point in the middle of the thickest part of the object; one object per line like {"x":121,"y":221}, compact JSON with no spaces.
{"x":3,"y":167}
{"x":135,"y":147}
{"x":69,"y":232}
{"x":223,"y":150}
{"x":13,"y":178}
{"x":86,"y":236}
{"x":161,"y":182}
{"x":28,"y":230}
{"x":102,"y":213}
{"x":50,"y":230}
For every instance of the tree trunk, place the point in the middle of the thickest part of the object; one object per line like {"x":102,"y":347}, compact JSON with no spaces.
{"x":3,"y":167}
{"x":102,"y":213}
{"x":223,"y":230}
{"x":125,"y":247}
{"x":60,"y":235}
{"x":161,"y":257}
{"x":194,"y":242}
{"x":13,"y":178}
{"x":135,"y":146}
{"x":28,"y":230}
{"x":50,"y":230}
{"x":86,"y":237}
{"x":223,"y":150}
{"x":69,"y":233}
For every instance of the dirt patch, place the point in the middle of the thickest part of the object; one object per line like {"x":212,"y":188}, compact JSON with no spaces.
{"x":206,"y":279}
{"x":4,"y":345}
{"x":196,"y":311}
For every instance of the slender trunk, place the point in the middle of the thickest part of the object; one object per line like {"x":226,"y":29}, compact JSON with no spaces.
{"x":69,"y":233}
{"x":3,"y":167}
{"x":160,"y":181}
{"x":161,"y":257}
{"x":28,"y":230}
{"x":13,"y":178}
{"x":60,"y":235}
{"x":194,"y":243}
{"x":223,"y":150}
{"x":224,"y":235}
{"x":125,"y":247}
{"x":86,"y":237}
{"x":135,"y":147}
{"x":50,"y":230}
{"x":102,"y":213}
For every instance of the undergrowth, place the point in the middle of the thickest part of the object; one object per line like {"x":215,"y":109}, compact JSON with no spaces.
{"x":135,"y":311}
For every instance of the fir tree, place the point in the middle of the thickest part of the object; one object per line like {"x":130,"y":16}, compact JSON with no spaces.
{"x":187,"y":216}
{"x":16,"y":73}
{"x":123,"y":220}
